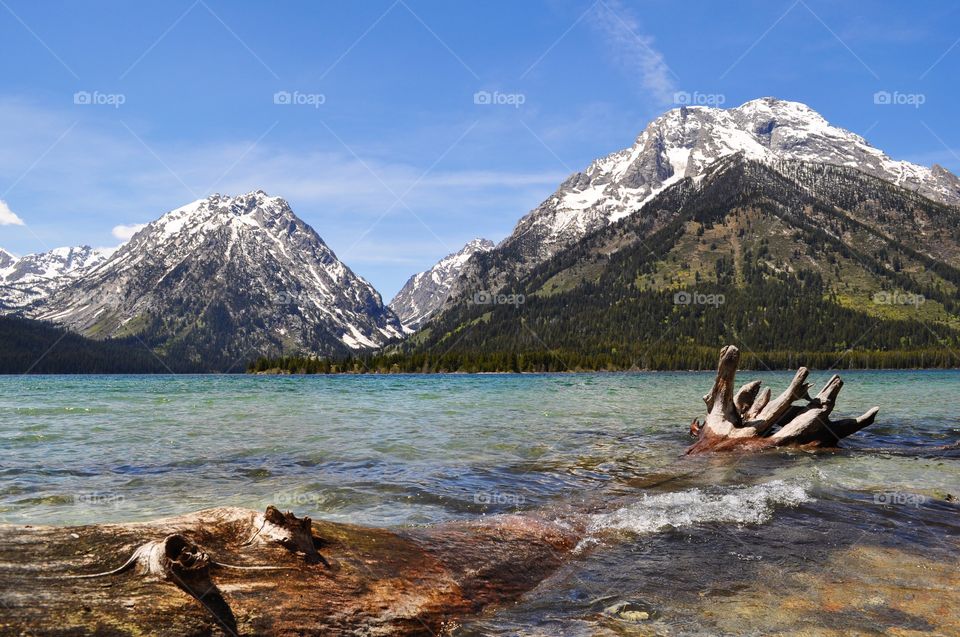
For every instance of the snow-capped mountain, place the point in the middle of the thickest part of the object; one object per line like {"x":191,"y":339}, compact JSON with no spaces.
{"x":6,"y":260}
{"x":27,"y":281}
{"x":808,"y":256}
{"x":682,"y":143}
{"x":225,"y":278}
{"x":424,"y":293}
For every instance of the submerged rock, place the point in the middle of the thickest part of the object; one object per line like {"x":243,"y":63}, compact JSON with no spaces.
{"x":634,"y":612}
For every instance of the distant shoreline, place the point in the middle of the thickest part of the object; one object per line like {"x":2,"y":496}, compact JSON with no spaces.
{"x":572,"y":363}
{"x":591,"y":371}
{"x":575,"y":372}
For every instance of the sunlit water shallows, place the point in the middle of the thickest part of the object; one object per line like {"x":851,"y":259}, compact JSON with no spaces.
{"x":667,"y":536}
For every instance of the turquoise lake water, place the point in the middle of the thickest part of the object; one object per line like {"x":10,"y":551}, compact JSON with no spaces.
{"x":409,"y":450}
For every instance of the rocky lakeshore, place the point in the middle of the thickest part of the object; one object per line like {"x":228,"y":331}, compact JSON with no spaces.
{"x":221,"y":574}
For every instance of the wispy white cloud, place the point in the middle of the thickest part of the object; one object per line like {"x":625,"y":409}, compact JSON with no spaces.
{"x":8,"y":217}
{"x":633,"y":49}
{"x":123,"y":176}
{"x":126,"y":232}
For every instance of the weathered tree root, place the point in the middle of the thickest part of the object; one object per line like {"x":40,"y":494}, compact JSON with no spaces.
{"x":177,"y":556}
{"x":180,"y":561}
{"x":750,"y":420}
{"x":168,"y":559}
{"x":293,"y":533}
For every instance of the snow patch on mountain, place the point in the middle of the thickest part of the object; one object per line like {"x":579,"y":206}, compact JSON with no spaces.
{"x":244,"y":268}
{"x":683,"y":142}
{"x":424,"y":292}
{"x":29,"y":280}
{"x":6,"y":262}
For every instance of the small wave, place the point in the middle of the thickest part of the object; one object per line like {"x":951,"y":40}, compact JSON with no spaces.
{"x":59,"y":410}
{"x":735,"y":505}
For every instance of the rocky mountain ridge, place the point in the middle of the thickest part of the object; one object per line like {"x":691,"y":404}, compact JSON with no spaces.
{"x":683,"y":143}
{"x":424,"y":293}
{"x":29,"y":280}
{"x":222,"y":279}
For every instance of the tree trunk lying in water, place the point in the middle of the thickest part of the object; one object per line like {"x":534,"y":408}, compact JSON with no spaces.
{"x":237,"y":572}
{"x":750,"y":420}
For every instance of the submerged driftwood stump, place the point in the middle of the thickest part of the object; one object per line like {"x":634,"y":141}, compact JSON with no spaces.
{"x":239,"y":572}
{"x":749,"y":419}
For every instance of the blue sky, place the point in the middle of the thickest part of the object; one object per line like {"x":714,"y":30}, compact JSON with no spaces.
{"x":384,"y":151}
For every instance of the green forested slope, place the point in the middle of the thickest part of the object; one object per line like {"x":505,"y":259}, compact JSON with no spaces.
{"x":796,"y":264}
{"x":40,"y":348}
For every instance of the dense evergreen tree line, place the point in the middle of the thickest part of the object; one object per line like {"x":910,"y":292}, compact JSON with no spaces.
{"x":33,"y":347}
{"x":660,"y":358}
{"x":777,"y":324}
{"x":779,"y":321}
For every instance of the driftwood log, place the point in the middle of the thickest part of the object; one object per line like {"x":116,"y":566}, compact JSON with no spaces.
{"x":230,"y":571}
{"x":749,"y":419}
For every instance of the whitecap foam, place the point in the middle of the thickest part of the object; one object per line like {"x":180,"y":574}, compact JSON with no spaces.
{"x":734,"y":505}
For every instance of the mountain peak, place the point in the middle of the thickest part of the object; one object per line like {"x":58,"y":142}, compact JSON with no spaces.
{"x":243,"y":203}
{"x":224,"y":277}
{"x":478,"y":243}
{"x":7,"y":261}
{"x":253,"y":197}
{"x":770,"y":101}
{"x":425,"y":292}
{"x":684,"y":143}
{"x":254,"y":209}
{"x":946,"y":175}
{"x":836,"y":241}
{"x":34,"y":277}
{"x":768,"y":104}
